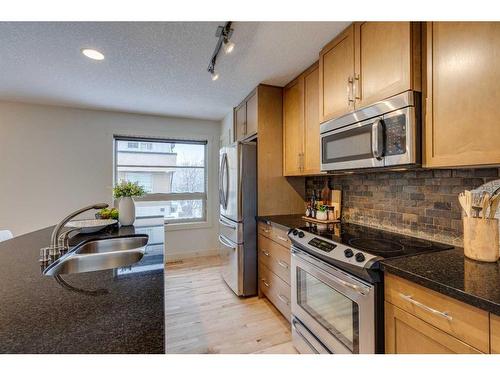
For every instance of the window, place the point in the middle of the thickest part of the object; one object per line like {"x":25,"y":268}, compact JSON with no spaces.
{"x":173,"y":172}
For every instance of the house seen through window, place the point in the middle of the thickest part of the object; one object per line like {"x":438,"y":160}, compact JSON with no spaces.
{"x":174,"y":174}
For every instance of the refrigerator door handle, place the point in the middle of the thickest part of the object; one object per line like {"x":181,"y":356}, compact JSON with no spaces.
{"x":220,"y":179}
{"x":227,"y":243}
{"x":226,"y":172}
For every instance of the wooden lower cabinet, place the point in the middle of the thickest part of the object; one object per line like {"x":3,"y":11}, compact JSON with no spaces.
{"x":407,"y":334}
{"x":274,"y":271}
{"x":421,"y":321}
{"x":495,"y":334}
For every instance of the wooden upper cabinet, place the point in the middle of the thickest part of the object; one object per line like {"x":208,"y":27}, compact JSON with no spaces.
{"x":387,"y":60}
{"x":463,"y":94}
{"x":252,"y":110}
{"x":240,"y":120}
{"x":293,"y":127}
{"x":301,"y":124}
{"x":311,"y":158}
{"x":336,"y":73}
{"x":368,"y":62}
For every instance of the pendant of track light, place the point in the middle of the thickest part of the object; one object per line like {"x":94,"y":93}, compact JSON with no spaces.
{"x":224,"y":34}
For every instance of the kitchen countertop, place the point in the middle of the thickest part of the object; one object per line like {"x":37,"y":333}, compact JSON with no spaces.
{"x":449,"y":272}
{"x":39,"y":315}
{"x":285,"y":221}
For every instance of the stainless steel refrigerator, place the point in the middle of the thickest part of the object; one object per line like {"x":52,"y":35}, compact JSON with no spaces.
{"x":237,"y":224}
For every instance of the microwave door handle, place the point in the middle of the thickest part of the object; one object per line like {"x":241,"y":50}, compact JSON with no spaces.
{"x":377,"y":139}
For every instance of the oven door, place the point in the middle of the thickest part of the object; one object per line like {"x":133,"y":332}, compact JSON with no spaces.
{"x":336,"y":307}
{"x":358,"y":145}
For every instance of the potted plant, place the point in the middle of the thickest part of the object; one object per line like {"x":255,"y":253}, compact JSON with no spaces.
{"x":125,"y":191}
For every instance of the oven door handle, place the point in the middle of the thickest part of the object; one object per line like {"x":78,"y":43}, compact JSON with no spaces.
{"x":377,"y":139}
{"x":358,"y":289}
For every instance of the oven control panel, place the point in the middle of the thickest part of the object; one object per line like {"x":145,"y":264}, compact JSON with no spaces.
{"x":336,"y":251}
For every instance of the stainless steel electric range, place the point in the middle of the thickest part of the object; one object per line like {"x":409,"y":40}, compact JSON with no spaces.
{"x":337,"y":285}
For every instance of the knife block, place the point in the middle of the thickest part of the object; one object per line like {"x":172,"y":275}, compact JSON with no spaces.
{"x":481,"y":239}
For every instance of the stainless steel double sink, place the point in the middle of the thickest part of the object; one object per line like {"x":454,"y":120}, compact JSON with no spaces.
{"x":100,"y":254}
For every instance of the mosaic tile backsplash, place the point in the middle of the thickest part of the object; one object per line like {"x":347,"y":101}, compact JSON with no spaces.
{"x":422,"y":203}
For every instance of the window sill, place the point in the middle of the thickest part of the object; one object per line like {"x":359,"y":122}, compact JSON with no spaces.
{"x":187,"y":226}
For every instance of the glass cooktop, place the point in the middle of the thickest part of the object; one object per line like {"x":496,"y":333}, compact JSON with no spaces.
{"x":374,"y":241}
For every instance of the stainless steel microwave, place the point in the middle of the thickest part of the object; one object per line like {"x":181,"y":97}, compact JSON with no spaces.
{"x":385,"y":134}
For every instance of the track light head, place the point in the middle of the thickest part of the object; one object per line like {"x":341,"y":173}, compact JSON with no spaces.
{"x":215,"y":75}
{"x":228,"y":46}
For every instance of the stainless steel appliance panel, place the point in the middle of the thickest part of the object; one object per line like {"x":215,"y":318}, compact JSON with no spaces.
{"x":229,"y":182}
{"x":337,"y":308}
{"x":232,"y":230}
{"x":304,"y":341}
{"x":231,"y":264}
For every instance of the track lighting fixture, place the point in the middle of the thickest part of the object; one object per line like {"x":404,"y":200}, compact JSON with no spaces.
{"x":224,"y":34}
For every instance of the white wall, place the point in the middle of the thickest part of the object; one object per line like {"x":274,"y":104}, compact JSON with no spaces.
{"x":54,"y":160}
{"x":226,"y":135}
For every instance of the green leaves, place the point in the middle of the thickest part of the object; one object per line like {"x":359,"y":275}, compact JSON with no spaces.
{"x":128,"y":189}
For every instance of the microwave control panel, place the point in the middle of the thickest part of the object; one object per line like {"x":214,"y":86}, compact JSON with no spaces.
{"x":395,"y":135}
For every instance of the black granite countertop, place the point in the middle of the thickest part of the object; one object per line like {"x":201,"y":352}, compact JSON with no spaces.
{"x":285,"y":221}
{"x":451,"y":273}
{"x":39,"y":315}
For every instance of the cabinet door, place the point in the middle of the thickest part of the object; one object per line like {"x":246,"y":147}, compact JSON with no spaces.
{"x":251,"y":115}
{"x":495,"y":333}
{"x":240,"y":121}
{"x":407,"y":334}
{"x":383,"y":60}
{"x":336,"y":70}
{"x":311,"y":158}
{"x":293,"y":127}
{"x":463,"y":94}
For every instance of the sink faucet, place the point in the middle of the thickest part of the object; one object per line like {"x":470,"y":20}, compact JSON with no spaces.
{"x":54,"y":249}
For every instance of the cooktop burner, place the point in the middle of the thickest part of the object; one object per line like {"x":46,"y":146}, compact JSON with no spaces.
{"x":376,"y":246}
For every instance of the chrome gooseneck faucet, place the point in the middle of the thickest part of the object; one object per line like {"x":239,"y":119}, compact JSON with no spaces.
{"x":54,"y":246}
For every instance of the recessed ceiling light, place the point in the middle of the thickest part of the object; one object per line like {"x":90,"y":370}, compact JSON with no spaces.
{"x":92,"y":54}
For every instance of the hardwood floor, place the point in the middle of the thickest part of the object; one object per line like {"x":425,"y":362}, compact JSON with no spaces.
{"x":204,"y":316}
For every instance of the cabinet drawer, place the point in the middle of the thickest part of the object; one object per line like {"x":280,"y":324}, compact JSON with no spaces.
{"x":495,"y":333}
{"x":276,"y":290}
{"x":275,"y":233}
{"x":275,"y":257}
{"x":465,"y":322}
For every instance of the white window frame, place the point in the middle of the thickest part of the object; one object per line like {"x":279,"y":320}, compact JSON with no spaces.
{"x":158,"y":197}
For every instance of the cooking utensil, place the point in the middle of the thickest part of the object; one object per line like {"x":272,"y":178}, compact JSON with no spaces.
{"x":485,"y":203}
{"x":468,"y":199}
{"x":462,"y":199}
{"x":494,"y":203}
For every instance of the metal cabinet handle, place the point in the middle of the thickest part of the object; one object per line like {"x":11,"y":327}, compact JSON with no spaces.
{"x":265,"y":253}
{"x":265,"y":282}
{"x":282,"y":238}
{"x":283,"y":299}
{"x":350,"y":85}
{"x":356,"y":87}
{"x":283,"y":264}
{"x":410,"y":299}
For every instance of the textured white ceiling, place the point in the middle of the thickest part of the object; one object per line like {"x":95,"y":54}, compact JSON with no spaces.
{"x":152,"y":67}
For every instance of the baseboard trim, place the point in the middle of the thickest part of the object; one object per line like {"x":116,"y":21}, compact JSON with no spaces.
{"x":175,"y":257}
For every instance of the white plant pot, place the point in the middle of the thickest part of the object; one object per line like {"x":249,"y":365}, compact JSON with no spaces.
{"x":126,"y":209}
{"x":321,"y":215}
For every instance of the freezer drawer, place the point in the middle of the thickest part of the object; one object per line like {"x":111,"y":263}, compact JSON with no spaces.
{"x":238,"y":267}
{"x":231,"y":230}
